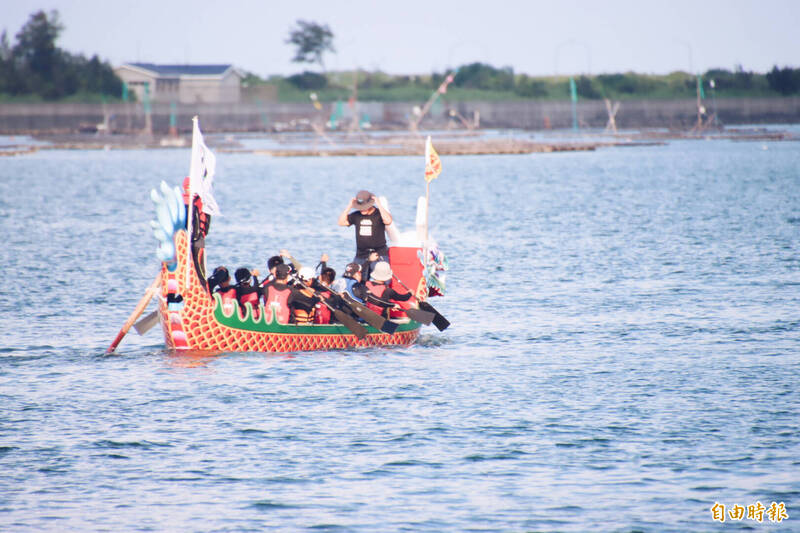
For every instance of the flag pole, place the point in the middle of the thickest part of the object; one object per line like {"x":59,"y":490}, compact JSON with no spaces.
{"x":190,"y":205}
{"x":428,"y":147}
{"x":427,"y":202}
{"x":425,"y":246}
{"x":433,"y":167}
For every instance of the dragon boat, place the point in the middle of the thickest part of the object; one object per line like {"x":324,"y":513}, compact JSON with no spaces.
{"x":193,"y":319}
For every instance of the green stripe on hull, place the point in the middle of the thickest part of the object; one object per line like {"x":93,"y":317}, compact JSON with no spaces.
{"x":248,"y":324}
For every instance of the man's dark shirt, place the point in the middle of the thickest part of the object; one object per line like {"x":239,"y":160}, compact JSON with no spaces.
{"x":370,"y":231}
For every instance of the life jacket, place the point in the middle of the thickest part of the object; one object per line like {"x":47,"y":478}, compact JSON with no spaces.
{"x":250,"y":297}
{"x":228,"y":295}
{"x":349,"y":289}
{"x":376,"y":289}
{"x":279,"y":299}
{"x":301,"y":316}
{"x":322,"y":314}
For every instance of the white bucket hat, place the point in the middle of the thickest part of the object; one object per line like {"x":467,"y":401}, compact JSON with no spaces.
{"x":382,"y":271}
{"x":306,"y":273}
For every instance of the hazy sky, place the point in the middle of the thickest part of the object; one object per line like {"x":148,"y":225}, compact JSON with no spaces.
{"x":419,"y":36}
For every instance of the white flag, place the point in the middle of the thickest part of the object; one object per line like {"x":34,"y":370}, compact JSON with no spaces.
{"x":201,"y":172}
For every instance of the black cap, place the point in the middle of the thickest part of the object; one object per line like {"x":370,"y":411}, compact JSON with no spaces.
{"x":242,"y":275}
{"x":281,"y":271}
{"x":221,"y":274}
{"x":351,"y":270}
{"x":273,"y":261}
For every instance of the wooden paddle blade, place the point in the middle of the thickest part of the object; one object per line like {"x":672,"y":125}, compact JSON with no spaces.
{"x":389,"y":327}
{"x":146,"y":324}
{"x":350,"y":323}
{"x":423,"y":317}
{"x":439,"y":320}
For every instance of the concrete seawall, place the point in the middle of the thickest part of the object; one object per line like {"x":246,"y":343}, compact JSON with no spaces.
{"x":529,"y":114}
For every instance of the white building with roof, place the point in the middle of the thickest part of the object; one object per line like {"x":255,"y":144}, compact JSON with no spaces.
{"x":184,"y":84}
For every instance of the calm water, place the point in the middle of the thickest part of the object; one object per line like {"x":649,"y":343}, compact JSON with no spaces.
{"x":625,"y":349}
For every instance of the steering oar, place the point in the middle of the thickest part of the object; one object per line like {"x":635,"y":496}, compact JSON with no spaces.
{"x":140,"y":307}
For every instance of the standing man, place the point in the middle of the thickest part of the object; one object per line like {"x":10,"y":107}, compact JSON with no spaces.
{"x":370,"y":219}
{"x":201,"y":223}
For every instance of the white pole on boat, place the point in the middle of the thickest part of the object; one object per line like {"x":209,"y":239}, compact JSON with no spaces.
{"x":427,"y":204}
{"x":425,"y":246}
{"x":391,"y":229}
{"x":419,"y":221}
{"x":433,"y":166}
{"x":189,"y":208}
{"x":427,"y":201}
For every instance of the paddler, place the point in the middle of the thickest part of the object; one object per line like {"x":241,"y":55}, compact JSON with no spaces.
{"x":201,"y":223}
{"x":247,"y":290}
{"x":302,"y":300}
{"x":220,"y":281}
{"x":350,"y":283}
{"x":322,"y":314}
{"x":370,"y":217}
{"x":380,"y":297}
{"x":276,"y":296}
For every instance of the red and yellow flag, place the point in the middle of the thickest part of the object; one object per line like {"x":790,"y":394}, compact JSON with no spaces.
{"x":433,"y":165}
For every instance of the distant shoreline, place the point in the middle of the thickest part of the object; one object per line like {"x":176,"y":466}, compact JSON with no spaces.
{"x":389,"y":143}
{"x":533,"y":115}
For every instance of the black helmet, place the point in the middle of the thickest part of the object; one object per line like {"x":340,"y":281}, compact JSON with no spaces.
{"x":242,"y":275}
{"x":282,"y":271}
{"x":221,"y":274}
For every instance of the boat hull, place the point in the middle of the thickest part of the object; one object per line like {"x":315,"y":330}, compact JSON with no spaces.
{"x":192,"y":320}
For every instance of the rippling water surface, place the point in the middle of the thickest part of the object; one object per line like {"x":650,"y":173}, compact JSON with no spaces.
{"x":625,"y":349}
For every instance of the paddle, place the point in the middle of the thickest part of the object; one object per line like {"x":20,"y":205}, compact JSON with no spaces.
{"x":360,"y":310}
{"x":423,"y":317}
{"x":347,"y":321}
{"x":369,"y":316}
{"x":140,"y":307}
{"x":145,"y":324}
{"x":439,"y":320}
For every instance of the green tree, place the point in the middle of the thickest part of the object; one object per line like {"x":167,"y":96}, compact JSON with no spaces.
{"x":529,"y":87}
{"x":784,"y":80}
{"x":631,"y":84}
{"x":5,"y":48}
{"x":586,"y":88}
{"x":483,"y":76}
{"x":35,"y":66}
{"x":312,"y":41}
{"x":35,"y":52}
{"x":6,"y":64}
{"x":308,"y":80}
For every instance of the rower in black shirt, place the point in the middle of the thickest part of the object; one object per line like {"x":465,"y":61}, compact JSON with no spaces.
{"x":379,"y":296}
{"x":248,"y":290}
{"x":302,"y":300}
